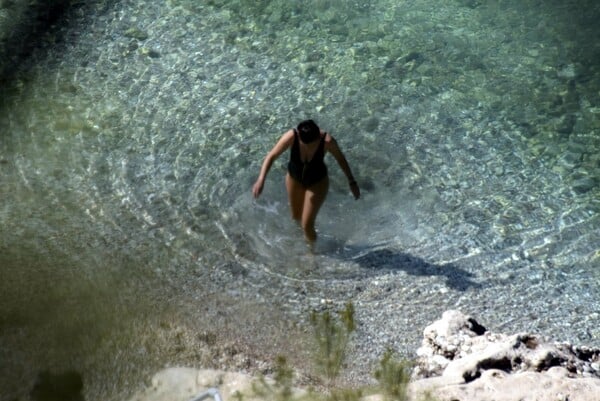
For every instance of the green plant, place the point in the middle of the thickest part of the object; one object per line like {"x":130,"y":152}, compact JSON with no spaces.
{"x":393,"y":377}
{"x":332,"y":335}
{"x":345,"y":394}
{"x":331,"y":338}
{"x":281,"y":387}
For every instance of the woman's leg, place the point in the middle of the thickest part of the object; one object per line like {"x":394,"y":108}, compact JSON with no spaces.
{"x":295,"y":192}
{"x":313,"y":199}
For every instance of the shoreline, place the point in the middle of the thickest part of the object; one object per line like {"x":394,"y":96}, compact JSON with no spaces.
{"x":459,"y":359}
{"x":450,"y":346}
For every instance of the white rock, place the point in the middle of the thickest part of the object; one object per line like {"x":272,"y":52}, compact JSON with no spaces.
{"x":182,"y":384}
{"x":454,"y":363}
{"x":440,"y":361}
{"x":498,"y":367}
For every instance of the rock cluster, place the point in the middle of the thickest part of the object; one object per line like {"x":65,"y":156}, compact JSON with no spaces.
{"x":460,"y":360}
{"x":183,"y":384}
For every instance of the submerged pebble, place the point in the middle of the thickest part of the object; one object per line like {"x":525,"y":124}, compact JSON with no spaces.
{"x":136,"y":33}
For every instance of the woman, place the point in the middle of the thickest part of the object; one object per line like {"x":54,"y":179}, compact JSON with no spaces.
{"x":306,"y":181}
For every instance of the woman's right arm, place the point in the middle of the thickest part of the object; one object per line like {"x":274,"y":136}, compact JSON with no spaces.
{"x":281,"y":146}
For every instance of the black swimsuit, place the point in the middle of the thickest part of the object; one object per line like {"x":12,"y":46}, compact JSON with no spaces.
{"x":310,"y":172}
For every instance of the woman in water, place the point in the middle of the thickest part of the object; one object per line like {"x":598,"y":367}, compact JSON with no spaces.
{"x":306,"y":181}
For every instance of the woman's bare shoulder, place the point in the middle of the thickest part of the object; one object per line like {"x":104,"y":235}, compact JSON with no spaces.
{"x":284,"y":142}
{"x":288,"y":136}
{"x":329,"y":139}
{"x":331,"y":144}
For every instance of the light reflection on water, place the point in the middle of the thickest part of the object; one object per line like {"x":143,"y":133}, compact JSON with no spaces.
{"x":473,"y":129}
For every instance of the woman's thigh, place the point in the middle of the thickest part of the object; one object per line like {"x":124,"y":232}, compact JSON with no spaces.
{"x":313,"y":200}
{"x":296,"y":194}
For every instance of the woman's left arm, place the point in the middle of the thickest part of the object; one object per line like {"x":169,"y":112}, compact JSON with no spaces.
{"x":332,"y":147}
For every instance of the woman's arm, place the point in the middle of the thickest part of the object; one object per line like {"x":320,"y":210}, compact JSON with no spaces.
{"x":332,"y":147}
{"x":281,"y":146}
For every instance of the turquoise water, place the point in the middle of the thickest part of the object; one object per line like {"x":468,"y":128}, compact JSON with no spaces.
{"x":131,"y":134}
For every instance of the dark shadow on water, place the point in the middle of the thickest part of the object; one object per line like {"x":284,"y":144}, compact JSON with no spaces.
{"x":376,"y":260}
{"x":40,"y":26}
{"x":391,"y":260}
{"x":356,"y":262}
{"x":28,"y":30}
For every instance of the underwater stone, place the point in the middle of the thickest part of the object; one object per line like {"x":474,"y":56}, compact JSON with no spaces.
{"x":370,"y":124}
{"x":136,"y":33}
{"x":337,"y":29}
{"x":310,"y":67}
{"x":567,"y":124}
{"x":583,"y":185}
{"x":144,"y":51}
{"x":578,"y":147}
{"x":567,"y":71}
{"x":131,"y":47}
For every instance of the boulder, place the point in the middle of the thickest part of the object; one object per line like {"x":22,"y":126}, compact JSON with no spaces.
{"x":460,"y":360}
{"x":184,"y":384}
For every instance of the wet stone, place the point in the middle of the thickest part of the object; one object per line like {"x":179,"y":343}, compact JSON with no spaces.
{"x":583,"y":185}
{"x":149,"y":52}
{"x":567,"y":124}
{"x":136,"y":33}
{"x":370,"y":124}
{"x":133,"y":45}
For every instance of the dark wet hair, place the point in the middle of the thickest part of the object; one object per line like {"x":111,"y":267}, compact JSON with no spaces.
{"x":309,"y":131}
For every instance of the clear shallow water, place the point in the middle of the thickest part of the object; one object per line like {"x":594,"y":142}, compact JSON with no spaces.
{"x":131,"y":139}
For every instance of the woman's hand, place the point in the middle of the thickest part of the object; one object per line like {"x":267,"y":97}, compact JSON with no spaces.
{"x":355,"y":189}
{"x":257,"y":188}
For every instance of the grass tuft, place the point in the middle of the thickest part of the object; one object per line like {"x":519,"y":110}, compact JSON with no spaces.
{"x":332,"y":337}
{"x":393,"y":377}
{"x":281,"y":387}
